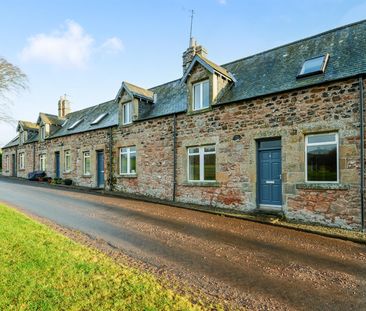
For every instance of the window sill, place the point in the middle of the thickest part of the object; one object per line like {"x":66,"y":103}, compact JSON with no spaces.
{"x":127,"y":176}
{"x":69,"y":172}
{"x":192,"y":112}
{"x":127,"y":124}
{"x":201,"y":184}
{"x":322,"y":186}
{"x":87,"y":176}
{"x":21,"y":169}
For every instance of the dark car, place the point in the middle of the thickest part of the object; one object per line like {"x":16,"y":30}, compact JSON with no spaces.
{"x":34,"y":176}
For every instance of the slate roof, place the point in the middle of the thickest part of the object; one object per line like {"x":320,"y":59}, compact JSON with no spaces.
{"x":276,"y":70}
{"x":88,"y":115}
{"x":265,"y":73}
{"x":50,"y":119}
{"x":171,"y":98}
{"x":13,"y":142}
{"x":26,"y":125}
{"x":139,"y":91}
{"x":209,"y":65}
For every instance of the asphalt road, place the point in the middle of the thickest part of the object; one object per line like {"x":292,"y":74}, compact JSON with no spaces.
{"x":242,"y":263}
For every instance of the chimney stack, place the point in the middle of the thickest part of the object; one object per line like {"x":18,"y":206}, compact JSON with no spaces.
{"x":189,"y":54}
{"x":63,"y":107}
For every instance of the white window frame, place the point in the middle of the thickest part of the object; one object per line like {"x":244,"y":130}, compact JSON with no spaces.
{"x":200,"y":84}
{"x":129,"y":108}
{"x":43,"y":132}
{"x":127,"y":152}
{"x":307,"y":144}
{"x":201,"y":152}
{"x":25,"y":136}
{"x":42,"y":162}
{"x":86,"y":155}
{"x":67,"y":154}
{"x":21,"y":160}
{"x":7,"y":163}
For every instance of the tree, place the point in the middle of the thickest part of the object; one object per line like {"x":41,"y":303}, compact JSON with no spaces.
{"x":12,"y":80}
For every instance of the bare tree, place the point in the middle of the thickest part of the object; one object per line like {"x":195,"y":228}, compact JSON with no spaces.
{"x":12,"y":80}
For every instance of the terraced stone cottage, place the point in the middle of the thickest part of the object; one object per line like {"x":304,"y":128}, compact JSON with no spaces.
{"x":279,"y":131}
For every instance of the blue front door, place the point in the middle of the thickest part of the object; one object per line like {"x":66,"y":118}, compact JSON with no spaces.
{"x":100,"y":169}
{"x":269,"y":177}
{"x":57,"y":164}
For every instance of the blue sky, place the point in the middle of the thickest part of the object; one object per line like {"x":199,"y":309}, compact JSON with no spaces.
{"x":87,"y":48}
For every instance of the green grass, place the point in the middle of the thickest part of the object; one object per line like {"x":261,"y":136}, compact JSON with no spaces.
{"x":43,"y":270}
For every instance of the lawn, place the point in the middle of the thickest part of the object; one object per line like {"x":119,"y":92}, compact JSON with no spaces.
{"x":43,"y":270}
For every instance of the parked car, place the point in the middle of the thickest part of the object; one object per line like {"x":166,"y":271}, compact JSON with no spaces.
{"x":36,"y":175}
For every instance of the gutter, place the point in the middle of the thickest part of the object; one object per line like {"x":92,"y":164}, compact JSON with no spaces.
{"x":362,"y":153}
{"x":174,"y":157}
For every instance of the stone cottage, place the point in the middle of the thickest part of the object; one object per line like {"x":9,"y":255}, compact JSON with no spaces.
{"x":280,"y":131}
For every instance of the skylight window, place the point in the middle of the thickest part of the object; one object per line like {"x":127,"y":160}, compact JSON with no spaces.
{"x":64,"y":123}
{"x":314,"y":65}
{"x":100,"y":118}
{"x":75,"y":124}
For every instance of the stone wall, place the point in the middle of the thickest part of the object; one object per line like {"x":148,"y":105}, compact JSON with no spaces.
{"x":154,"y":148}
{"x":234,"y":129}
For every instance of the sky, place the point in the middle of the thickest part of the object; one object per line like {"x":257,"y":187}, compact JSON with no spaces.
{"x":85,"y":49}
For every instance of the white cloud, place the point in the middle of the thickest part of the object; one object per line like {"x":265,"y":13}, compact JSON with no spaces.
{"x":71,"y":46}
{"x":112,"y":45}
{"x":222,"y":2}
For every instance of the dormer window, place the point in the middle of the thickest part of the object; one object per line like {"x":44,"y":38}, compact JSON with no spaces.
{"x":314,"y":66}
{"x":127,"y":110}
{"x":201,"y":95}
{"x":23,"y":137}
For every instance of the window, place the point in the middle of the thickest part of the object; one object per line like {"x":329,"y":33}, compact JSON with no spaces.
{"x":42,"y":162}
{"x":100,"y":117}
{"x":75,"y":124}
{"x":43,"y":132}
{"x":64,"y":123}
{"x":201,"y":95}
{"x":86,"y":166}
{"x":314,"y":65}
{"x":127,"y":161}
{"x":21,"y":161}
{"x":321,"y":158}
{"x":23,"y":137}
{"x":7,"y":164}
{"x":127,"y":110}
{"x":202,"y":163}
{"x":67,"y":161}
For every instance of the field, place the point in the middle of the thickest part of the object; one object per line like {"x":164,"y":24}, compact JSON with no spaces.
{"x":43,"y":270}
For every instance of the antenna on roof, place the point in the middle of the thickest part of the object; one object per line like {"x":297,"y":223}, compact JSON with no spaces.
{"x":190,"y":31}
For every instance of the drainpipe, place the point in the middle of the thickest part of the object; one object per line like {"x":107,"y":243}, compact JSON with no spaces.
{"x":362,"y":151}
{"x":16,"y":161}
{"x":34,"y":156}
{"x":110,"y":160}
{"x":174,"y":157}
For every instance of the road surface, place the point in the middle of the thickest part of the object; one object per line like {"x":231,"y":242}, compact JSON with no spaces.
{"x":243,"y":263}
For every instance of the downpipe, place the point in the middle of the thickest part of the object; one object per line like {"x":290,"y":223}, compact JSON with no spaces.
{"x":362,"y":151}
{"x":174,"y":157}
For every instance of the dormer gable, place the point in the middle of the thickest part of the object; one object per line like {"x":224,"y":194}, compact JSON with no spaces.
{"x":131,"y":100}
{"x":26,"y":129}
{"x":48,"y":124}
{"x":206,"y":83}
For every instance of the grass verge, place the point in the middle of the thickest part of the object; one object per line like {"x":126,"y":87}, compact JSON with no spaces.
{"x":43,"y":270}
